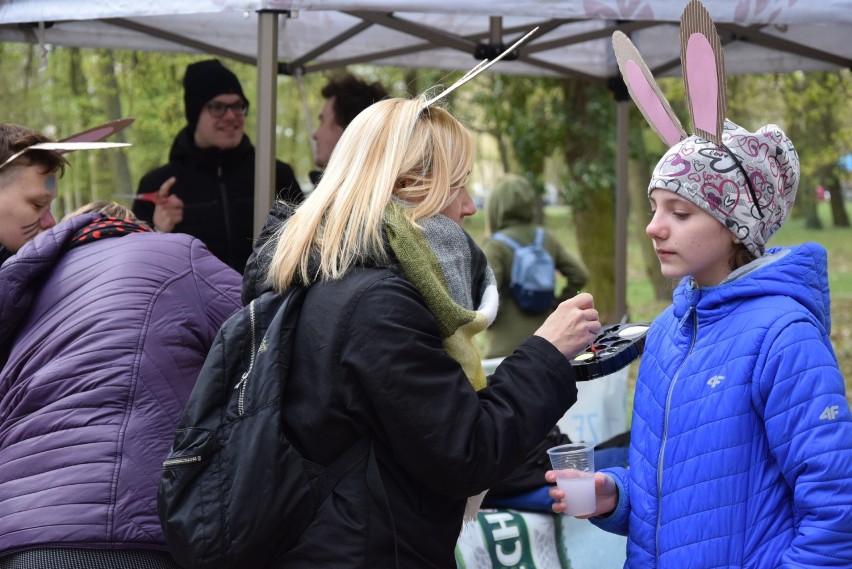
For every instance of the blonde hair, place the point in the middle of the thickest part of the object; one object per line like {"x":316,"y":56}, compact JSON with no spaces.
{"x":109,"y":208}
{"x":394,"y":148}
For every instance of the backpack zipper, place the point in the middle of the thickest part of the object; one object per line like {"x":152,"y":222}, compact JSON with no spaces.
{"x":241,"y":384}
{"x":182,"y":461}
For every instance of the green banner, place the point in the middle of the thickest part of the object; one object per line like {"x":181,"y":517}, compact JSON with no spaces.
{"x":507,"y":539}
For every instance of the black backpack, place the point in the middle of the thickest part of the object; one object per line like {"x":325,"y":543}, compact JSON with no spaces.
{"x":234,"y":491}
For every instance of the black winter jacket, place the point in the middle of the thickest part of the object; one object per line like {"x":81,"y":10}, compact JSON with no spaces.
{"x":217,"y":189}
{"x":369,"y":362}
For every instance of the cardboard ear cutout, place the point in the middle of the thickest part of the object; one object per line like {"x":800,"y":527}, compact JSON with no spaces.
{"x":645,"y":92}
{"x":477,"y":69}
{"x":86,"y":140}
{"x":100,"y":132}
{"x":703,"y":71}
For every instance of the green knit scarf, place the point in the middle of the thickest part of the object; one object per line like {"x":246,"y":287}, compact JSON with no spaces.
{"x":420,"y":264}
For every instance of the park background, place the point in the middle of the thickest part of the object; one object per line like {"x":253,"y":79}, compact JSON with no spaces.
{"x":560,"y":133}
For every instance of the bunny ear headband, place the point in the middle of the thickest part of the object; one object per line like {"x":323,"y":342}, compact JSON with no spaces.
{"x":87,"y":140}
{"x":747,"y":181}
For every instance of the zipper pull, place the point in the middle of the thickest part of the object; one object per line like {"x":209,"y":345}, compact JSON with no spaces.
{"x":241,"y":381}
{"x":686,"y":316}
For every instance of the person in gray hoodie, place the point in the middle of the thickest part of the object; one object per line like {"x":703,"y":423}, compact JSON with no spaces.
{"x":510,"y":210}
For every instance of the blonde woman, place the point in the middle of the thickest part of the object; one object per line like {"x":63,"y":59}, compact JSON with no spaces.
{"x":384,"y":348}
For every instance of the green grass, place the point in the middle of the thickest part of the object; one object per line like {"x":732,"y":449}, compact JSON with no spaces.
{"x":643,"y":307}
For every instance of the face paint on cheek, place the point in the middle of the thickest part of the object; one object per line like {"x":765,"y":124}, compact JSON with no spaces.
{"x":29,"y":230}
{"x":50,"y":185}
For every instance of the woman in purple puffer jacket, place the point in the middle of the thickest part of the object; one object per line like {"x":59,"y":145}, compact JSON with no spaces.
{"x":104,"y":326}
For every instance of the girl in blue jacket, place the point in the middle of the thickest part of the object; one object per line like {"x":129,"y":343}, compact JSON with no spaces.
{"x":741,"y":444}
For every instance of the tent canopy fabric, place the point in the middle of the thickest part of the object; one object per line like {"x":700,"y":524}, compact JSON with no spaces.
{"x":574,"y":39}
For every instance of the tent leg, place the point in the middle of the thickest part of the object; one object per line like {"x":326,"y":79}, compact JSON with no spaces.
{"x":267,"y":91}
{"x":622,"y":206}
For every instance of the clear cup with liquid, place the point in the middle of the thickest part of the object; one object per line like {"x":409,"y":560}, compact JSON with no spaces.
{"x":574,"y":464}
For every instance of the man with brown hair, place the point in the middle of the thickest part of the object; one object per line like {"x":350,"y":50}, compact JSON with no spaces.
{"x":345,"y":96}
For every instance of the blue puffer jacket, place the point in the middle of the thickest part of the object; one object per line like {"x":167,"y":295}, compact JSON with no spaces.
{"x":741,"y":451}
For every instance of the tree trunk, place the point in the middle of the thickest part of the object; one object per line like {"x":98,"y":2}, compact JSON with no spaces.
{"x":839,"y":216}
{"x":595,"y":227}
{"x":806,"y":207}
{"x":591,"y":189}
{"x":112,"y":104}
{"x":797,"y":130}
{"x":638,"y":182}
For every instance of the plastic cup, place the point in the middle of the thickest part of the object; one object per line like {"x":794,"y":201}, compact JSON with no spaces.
{"x":574,"y":465}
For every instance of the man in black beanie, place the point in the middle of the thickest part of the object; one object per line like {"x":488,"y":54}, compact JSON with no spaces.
{"x":207,"y":187}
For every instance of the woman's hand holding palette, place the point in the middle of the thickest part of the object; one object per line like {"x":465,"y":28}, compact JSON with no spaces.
{"x":614,"y":348}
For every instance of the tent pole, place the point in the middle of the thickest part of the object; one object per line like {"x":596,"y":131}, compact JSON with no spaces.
{"x":622,"y":206}
{"x":267,"y":91}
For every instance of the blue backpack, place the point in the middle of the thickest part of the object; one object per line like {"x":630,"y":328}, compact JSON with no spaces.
{"x":533,"y":279}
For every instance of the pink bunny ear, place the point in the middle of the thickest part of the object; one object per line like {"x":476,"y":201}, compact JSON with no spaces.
{"x":645,"y":91}
{"x":703,"y":71}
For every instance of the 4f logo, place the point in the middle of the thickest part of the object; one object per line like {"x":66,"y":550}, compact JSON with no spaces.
{"x":715,"y":380}
{"x":830,"y":413}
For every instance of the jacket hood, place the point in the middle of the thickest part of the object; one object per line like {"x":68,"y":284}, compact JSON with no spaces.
{"x":512,"y":202}
{"x":799,"y":272}
{"x":19,"y":275}
{"x":185,"y":150}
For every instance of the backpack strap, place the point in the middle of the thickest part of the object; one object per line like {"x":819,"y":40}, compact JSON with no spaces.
{"x":507,"y":241}
{"x":330,"y":475}
{"x":343,"y":463}
{"x":539,"y":236}
{"x":376,"y":487}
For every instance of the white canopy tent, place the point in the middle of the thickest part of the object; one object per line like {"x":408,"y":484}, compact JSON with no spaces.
{"x":769,"y":35}
{"x":302,"y":36}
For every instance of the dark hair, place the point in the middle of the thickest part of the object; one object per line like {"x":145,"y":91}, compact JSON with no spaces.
{"x":740,"y":257}
{"x":14,"y":138}
{"x":351,"y":96}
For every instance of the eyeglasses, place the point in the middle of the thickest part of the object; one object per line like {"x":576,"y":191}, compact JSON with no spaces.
{"x":218,"y":109}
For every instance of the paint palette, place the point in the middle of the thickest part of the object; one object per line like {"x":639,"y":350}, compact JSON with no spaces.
{"x":614,"y":348}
